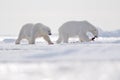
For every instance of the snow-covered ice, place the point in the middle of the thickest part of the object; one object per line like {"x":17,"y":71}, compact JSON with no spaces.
{"x":98,"y":60}
{"x":72,"y":51}
{"x":61,"y":70}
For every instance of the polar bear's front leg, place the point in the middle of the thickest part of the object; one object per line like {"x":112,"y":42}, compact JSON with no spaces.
{"x":84,"y":38}
{"x":59,"y":39}
{"x":48,"y":39}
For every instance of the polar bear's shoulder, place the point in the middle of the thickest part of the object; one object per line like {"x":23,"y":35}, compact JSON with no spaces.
{"x":28,"y":24}
{"x":38,"y":24}
{"x":42,"y":26}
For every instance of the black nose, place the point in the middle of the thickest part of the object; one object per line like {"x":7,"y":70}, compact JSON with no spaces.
{"x":96,"y":36}
{"x":93,"y":38}
{"x":50,"y":34}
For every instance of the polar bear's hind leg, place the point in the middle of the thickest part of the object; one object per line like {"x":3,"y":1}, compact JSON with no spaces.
{"x":19,"y":39}
{"x":59,"y":39}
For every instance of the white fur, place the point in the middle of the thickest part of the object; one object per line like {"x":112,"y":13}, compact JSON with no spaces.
{"x":76,"y":28}
{"x":32,"y":31}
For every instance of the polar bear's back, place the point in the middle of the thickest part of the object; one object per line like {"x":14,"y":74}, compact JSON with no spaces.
{"x":74,"y":27}
{"x":73,"y":24}
{"x":26,"y":29}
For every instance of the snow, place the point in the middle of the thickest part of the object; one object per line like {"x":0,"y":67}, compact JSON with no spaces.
{"x":98,"y":60}
{"x":61,"y":70}
{"x":71,"y":51}
{"x":103,"y":33}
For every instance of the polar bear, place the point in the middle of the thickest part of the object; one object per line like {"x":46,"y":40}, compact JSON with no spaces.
{"x":32,"y":31}
{"x":76,"y":28}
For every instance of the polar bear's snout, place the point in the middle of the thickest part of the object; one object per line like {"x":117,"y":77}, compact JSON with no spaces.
{"x":94,"y":38}
{"x":50,"y":34}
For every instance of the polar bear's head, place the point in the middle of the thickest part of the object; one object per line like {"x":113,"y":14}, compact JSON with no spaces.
{"x":92,"y":29}
{"x":43,"y":29}
{"x":94,"y":32}
{"x":46,"y":30}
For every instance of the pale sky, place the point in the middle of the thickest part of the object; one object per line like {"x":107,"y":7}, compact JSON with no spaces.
{"x":53,"y":13}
